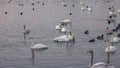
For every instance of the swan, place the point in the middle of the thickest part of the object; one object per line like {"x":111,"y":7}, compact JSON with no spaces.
{"x":118,"y":10}
{"x":81,"y":3}
{"x":63,"y":29}
{"x":37,"y":46}
{"x":110,"y":49}
{"x":99,"y":64}
{"x":111,"y":12}
{"x":65,"y":38}
{"x":114,"y":39}
{"x":26,"y":31}
{"x":83,"y":8}
{"x":89,"y":9}
{"x":58,"y":27}
{"x":65,"y":22}
{"x":64,"y":4}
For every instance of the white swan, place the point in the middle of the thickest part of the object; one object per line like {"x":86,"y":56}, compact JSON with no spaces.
{"x":64,"y":38}
{"x":26,"y":31}
{"x":58,"y":27}
{"x":99,"y":64}
{"x":110,"y":49}
{"x":111,"y":12}
{"x":65,"y":22}
{"x":83,"y":8}
{"x":37,"y":46}
{"x":114,"y":39}
{"x":63,"y":29}
{"x":118,"y":10}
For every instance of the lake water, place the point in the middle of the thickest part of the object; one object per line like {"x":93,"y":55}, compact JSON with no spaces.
{"x":42,"y":22}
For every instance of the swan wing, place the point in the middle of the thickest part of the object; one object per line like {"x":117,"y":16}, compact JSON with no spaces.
{"x":58,"y":27}
{"x":61,"y":38}
{"x":115,"y":39}
{"x":63,"y":29}
{"x":99,"y":65}
{"x":102,"y":65}
{"x":110,"y":49}
{"x":39,"y":46}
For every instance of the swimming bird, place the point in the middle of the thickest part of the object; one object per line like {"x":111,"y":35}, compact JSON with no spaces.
{"x":21,"y":13}
{"x":109,"y":32}
{"x":114,"y":39}
{"x":86,"y":32}
{"x":6,"y":13}
{"x":118,"y":10}
{"x":26,"y":31}
{"x":65,"y":5}
{"x":66,"y":22}
{"x":83,"y":8}
{"x":110,"y":49}
{"x":64,"y":30}
{"x":91,"y":40}
{"x":99,"y":64}
{"x":89,"y":9}
{"x":64,"y":38}
{"x":118,"y":35}
{"x":58,"y":27}
{"x":37,"y":46}
{"x":100,"y":37}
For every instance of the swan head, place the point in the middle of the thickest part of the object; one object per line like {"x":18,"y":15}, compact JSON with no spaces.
{"x":31,"y":37}
{"x":90,"y":51}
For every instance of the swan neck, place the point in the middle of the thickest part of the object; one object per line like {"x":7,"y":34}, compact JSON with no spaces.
{"x":108,"y":58}
{"x":91,"y":63}
{"x":32,"y":42}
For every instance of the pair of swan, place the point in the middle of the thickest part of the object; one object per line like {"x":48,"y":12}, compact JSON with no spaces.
{"x":61,"y":27}
{"x":99,"y":64}
{"x":64,"y":38}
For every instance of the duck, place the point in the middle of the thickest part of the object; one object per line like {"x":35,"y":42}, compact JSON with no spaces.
{"x":86,"y":32}
{"x":100,"y":37}
{"x":91,"y":40}
{"x":64,"y":38}
{"x":118,"y":35}
{"x":99,"y":64}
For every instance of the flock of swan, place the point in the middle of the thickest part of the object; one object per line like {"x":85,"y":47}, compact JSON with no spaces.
{"x":62,"y":28}
{"x":69,"y":36}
